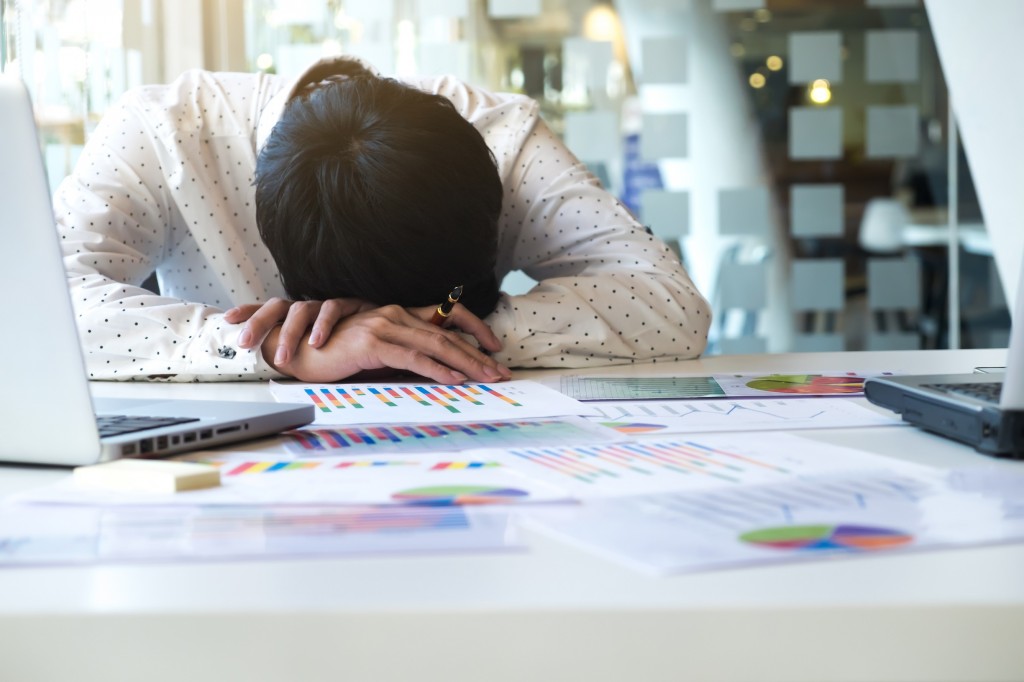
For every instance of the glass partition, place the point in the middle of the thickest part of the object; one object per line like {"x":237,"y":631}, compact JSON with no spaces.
{"x":71,"y":55}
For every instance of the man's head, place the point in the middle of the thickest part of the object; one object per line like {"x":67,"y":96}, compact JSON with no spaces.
{"x":372,"y":189}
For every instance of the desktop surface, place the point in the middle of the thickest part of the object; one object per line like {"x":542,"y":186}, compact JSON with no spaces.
{"x":550,"y":612}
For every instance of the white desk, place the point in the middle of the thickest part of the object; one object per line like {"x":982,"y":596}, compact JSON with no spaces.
{"x":553,"y":613}
{"x":973,"y":237}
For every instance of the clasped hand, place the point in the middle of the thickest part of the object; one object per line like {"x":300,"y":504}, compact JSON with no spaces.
{"x":319,"y":341}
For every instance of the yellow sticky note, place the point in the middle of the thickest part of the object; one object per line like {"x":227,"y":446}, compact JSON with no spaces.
{"x":147,"y":476}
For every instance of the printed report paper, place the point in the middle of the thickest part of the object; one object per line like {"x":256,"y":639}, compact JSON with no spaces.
{"x":402,"y":403}
{"x":856,"y":514}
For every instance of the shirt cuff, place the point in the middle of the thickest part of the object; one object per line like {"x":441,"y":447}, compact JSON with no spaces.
{"x":215,"y":352}
{"x":502,"y":322}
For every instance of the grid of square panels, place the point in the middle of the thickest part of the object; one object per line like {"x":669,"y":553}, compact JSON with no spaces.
{"x":816,"y":133}
{"x":818,"y":210}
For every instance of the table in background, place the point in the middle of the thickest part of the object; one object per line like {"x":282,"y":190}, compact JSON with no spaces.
{"x":980,"y":310}
{"x":973,"y":237}
{"x":552,"y":613}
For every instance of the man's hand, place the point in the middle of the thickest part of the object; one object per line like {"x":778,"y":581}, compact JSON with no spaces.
{"x":396,"y":338}
{"x":319,"y":318}
{"x":296,"y":318}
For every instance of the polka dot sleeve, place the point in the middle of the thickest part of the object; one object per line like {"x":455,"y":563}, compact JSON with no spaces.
{"x":608,"y":291}
{"x":149,"y":194}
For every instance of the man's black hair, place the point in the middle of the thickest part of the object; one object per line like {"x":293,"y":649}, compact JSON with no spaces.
{"x":369,"y":188}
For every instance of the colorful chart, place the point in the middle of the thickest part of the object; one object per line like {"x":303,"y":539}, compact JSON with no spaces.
{"x":331,"y":399}
{"x":236,"y":468}
{"x":420,"y":437}
{"x":808,"y":384}
{"x":444,"y":466}
{"x":447,"y":495}
{"x":827,"y":537}
{"x":594,"y":465}
{"x":264,"y":467}
{"x":322,"y":522}
{"x":652,"y":465}
{"x":633,"y":427}
{"x":353,"y":404}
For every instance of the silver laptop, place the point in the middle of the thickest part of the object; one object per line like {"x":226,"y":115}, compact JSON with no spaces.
{"x":46,"y":411}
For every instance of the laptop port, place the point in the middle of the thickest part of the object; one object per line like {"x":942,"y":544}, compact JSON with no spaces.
{"x":145,"y":446}
{"x":190,"y":437}
{"x":127,"y":449}
{"x":206,"y":434}
{"x":161,"y":443}
{"x":175,"y":440}
{"x":229,"y":429}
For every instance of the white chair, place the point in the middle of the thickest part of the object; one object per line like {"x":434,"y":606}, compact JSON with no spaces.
{"x":881,"y":227}
{"x":881,"y":234}
{"x":739,"y":300}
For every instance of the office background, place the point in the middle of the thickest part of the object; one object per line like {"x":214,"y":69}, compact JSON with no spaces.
{"x":799,"y":154}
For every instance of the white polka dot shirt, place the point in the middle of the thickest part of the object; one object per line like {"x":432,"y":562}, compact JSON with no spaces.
{"x":165,"y":184}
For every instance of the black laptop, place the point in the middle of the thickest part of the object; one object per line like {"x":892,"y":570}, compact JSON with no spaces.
{"x":985,"y":410}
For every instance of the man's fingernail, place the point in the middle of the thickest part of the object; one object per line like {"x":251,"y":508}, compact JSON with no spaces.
{"x":505,"y":371}
{"x":245,"y":338}
{"x":281,"y":356}
{"x":460,"y":377}
{"x":314,"y":338}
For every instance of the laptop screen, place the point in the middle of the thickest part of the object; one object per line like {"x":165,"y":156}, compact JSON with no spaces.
{"x":46,"y":390}
{"x":978,"y":51}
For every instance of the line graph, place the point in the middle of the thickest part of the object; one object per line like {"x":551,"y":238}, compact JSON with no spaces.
{"x":684,"y":416}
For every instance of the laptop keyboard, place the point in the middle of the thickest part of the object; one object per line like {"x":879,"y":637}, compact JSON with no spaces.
{"x":988,"y":391}
{"x":117,"y":424}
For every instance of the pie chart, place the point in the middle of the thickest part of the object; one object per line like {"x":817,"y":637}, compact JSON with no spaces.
{"x":448,"y":495}
{"x":808,"y":384}
{"x":827,"y":537}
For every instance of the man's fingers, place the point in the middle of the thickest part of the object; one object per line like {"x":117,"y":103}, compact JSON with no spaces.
{"x":469,"y":323}
{"x":409,"y":359}
{"x":448,"y":349}
{"x":300,"y":317}
{"x":261,"y":320}
{"x":367,"y":340}
{"x":473,"y":325}
{"x":462,"y":319}
{"x":331,"y":311}
{"x":241,"y":313}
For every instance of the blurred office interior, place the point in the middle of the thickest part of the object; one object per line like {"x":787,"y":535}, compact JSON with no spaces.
{"x":801,"y":155}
